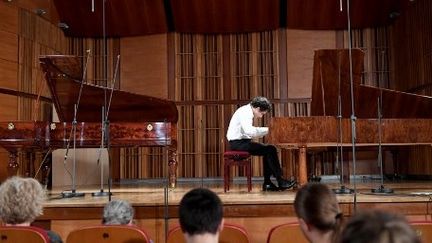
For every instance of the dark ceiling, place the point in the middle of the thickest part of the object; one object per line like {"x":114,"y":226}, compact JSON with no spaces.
{"x":142,"y":17}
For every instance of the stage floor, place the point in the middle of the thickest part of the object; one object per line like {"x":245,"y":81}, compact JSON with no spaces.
{"x":143,"y":193}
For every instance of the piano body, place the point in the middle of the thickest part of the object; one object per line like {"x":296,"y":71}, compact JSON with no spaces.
{"x":406,"y":118}
{"x":134,"y":120}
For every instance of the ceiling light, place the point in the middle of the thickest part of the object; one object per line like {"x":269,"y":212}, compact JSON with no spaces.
{"x":40,"y":11}
{"x":62,"y":25}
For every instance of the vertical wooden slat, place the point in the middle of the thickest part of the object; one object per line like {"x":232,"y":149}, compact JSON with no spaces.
{"x":411,"y":67}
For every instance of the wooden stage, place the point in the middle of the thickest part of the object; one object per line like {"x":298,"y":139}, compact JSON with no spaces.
{"x":257,"y":211}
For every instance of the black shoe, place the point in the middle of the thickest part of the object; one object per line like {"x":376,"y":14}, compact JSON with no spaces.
{"x":269,"y":186}
{"x":286,"y":184}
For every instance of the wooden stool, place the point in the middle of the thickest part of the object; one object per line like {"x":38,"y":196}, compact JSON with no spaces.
{"x":237,"y":158}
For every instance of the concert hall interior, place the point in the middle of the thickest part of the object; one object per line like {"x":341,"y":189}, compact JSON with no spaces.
{"x":132,"y":100}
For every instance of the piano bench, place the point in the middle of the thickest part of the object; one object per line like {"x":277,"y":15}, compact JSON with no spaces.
{"x":237,"y":158}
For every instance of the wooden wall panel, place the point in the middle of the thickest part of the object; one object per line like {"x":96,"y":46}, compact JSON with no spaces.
{"x":144,"y":65}
{"x":87,"y":170}
{"x":144,"y":70}
{"x":33,"y":5}
{"x":8,"y":70}
{"x":411,"y":48}
{"x":8,"y":74}
{"x":411,"y":68}
{"x":9,"y":18}
{"x":24,"y":36}
{"x":8,"y":46}
{"x":50,"y":12}
{"x":300,"y":53}
{"x":8,"y":106}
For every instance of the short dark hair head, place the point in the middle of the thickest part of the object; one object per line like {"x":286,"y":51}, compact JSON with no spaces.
{"x":375,"y":226}
{"x":262,"y":102}
{"x":200,"y":212}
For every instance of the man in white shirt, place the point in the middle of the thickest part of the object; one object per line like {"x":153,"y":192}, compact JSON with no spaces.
{"x":241,"y":132}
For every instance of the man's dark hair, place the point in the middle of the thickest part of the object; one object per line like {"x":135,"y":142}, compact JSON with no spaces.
{"x":200,"y":212}
{"x":262,"y":102}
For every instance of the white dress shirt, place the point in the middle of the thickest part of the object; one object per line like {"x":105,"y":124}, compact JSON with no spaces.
{"x":241,"y":125}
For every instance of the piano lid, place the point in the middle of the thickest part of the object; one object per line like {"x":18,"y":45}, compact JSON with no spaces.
{"x":331,"y":73}
{"x":64,"y":74}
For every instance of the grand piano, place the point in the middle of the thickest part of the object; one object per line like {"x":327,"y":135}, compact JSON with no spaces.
{"x":405,"y":118}
{"x":134,"y":120}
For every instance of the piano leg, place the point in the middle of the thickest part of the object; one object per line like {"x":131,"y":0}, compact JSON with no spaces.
{"x":30,"y":168}
{"x":172,"y":163}
{"x":302,"y":168}
{"x":346,"y":166}
{"x":13,"y":164}
{"x":396,"y":171}
{"x":46,"y":169}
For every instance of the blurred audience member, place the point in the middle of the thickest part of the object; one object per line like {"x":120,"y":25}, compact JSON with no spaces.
{"x":21,"y":201}
{"x":201,"y":216}
{"x":378,"y":227}
{"x":118,"y":212}
{"x":318,"y":212}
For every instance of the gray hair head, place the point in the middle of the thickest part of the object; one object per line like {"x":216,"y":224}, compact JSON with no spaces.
{"x":21,"y":200}
{"x":117,"y":212}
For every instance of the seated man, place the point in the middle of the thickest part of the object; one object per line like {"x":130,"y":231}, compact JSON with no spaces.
{"x":21,"y":201}
{"x":118,"y":212}
{"x":241,"y":132}
{"x":201,"y":216}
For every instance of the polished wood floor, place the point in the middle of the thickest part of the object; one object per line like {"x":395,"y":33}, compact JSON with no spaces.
{"x":144,"y":193}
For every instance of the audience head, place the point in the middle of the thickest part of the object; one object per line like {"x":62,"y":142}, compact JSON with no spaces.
{"x":21,"y":200}
{"x":318,"y":212}
{"x":118,"y":212}
{"x":201,"y":213}
{"x":378,"y":227}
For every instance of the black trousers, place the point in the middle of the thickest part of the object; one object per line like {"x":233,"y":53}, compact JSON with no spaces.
{"x":269,"y":153}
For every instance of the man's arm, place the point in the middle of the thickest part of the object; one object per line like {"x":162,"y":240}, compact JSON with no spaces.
{"x":250,"y":130}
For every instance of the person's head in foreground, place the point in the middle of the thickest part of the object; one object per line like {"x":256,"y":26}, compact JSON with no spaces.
{"x":318,"y":212}
{"x":118,"y":212}
{"x":375,"y":226}
{"x":260,"y":106}
{"x":21,"y":201}
{"x":201,"y":216}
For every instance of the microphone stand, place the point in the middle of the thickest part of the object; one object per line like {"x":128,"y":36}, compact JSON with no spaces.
{"x":105,"y":138}
{"x":101,"y":193}
{"x":342,"y":188}
{"x":380,"y":189}
{"x":167,"y":183}
{"x":353,"y":117}
{"x":339,"y":155}
{"x":73,"y":193}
